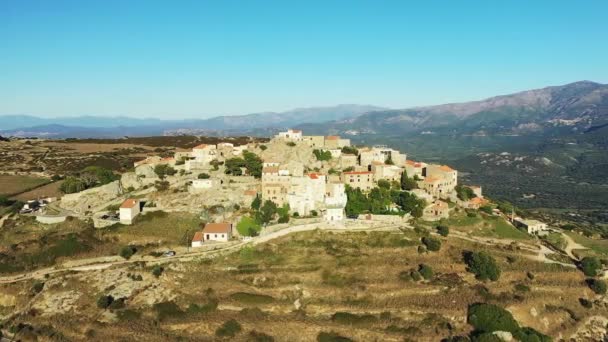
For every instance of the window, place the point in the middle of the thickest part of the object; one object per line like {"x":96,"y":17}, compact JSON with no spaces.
{"x":215,"y":236}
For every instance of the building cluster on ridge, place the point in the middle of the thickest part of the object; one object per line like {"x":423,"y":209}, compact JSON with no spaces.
{"x":318,"y":192}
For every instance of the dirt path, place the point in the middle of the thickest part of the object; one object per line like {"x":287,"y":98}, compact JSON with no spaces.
{"x":93,"y":264}
{"x":571,"y":245}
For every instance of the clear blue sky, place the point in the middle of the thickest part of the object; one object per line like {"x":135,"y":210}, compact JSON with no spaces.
{"x":175,"y":59}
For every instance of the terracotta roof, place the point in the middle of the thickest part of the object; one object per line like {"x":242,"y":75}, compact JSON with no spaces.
{"x":295,"y":131}
{"x":270,"y":169}
{"x":200,"y":147}
{"x":358,"y":173}
{"x":431,"y":179}
{"x":332,"y":137}
{"x":198,"y":236}
{"x":250,"y":192}
{"x":477,"y":200}
{"x":375,"y":162}
{"x":218,"y":228}
{"x":168,"y":159}
{"x":129,"y":203}
{"x":446,"y":168}
{"x":314,"y":175}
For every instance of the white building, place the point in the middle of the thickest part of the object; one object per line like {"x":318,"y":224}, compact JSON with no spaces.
{"x":290,"y":135}
{"x":129,"y":209}
{"x":335,"y":201}
{"x":531,"y":226}
{"x":200,"y":184}
{"x":204,"y":153}
{"x":197,"y":240}
{"x":217,"y":232}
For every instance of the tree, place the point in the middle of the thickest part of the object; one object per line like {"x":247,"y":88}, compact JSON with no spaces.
{"x":350,"y":150}
{"x":161,"y":185}
{"x":482,"y":265}
{"x":253,"y":163}
{"x":98,"y":175}
{"x":256,"y":203}
{"x":72,"y":185}
{"x":267,"y":211}
{"x":431,"y":243}
{"x":384,"y":184}
{"x":263,"y":147}
{"x":527,"y":334}
{"x":389,"y":160}
{"x":407,"y":183}
{"x":425,"y":271}
{"x":443,"y":230}
{"x":486,"y":209}
{"x":203,"y":176}
{"x":590,"y":266}
{"x":488,"y":318}
{"x":464,"y":193}
{"x":234,"y":165}
{"x":598,"y":286}
{"x":216,"y":164}
{"x":163,"y":170}
{"x":4,"y":201}
{"x":322,"y":155}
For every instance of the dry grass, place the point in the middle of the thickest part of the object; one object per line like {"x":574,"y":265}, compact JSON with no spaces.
{"x":14,"y":184}
{"x":356,"y":274}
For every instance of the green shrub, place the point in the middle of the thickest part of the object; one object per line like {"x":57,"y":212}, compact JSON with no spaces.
{"x":482,"y":265}
{"x":164,"y":170}
{"x":322,"y":155}
{"x":255,"y":336}
{"x":585,"y":303}
{"x":37,"y":287}
{"x":597,"y":286}
{"x":127,"y":252}
{"x":522,"y":288}
{"x":314,"y":213}
{"x":425,"y":271}
{"x":331,"y":337}
{"x":103,"y":302}
{"x":157,"y":270}
{"x":431,"y":243}
{"x":251,"y":298}
{"x":167,"y":310}
{"x":228,"y":329}
{"x":487,"y":318}
{"x":291,"y":144}
{"x":353,"y":319}
{"x":527,"y":334}
{"x":203,"y":176}
{"x":590,"y":266}
{"x":263,"y":147}
{"x":415,"y":276}
{"x":443,"y":230}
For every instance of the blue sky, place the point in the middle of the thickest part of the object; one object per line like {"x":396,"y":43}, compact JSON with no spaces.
{"x":174,"y":59}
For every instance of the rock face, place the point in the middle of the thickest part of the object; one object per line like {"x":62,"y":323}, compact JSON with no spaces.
{"x":146,"y":171}
{"x":91,"y":199}
{"x":131,"y":179}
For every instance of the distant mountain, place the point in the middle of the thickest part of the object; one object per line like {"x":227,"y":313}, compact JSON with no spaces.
{"x":99,"y":126}
{"x":575,"y":107}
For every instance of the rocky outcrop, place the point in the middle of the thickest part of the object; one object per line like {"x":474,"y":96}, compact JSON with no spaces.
{"x":91,"y":199}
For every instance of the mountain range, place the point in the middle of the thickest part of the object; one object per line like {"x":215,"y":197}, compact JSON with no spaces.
{"x":575,"y":107}
{"x":117,"y":126}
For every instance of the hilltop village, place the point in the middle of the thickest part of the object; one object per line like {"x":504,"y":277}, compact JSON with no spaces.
{"x":293,"y":175}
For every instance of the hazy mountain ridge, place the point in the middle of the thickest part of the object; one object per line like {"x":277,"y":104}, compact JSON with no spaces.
{"x":98,"y":126}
